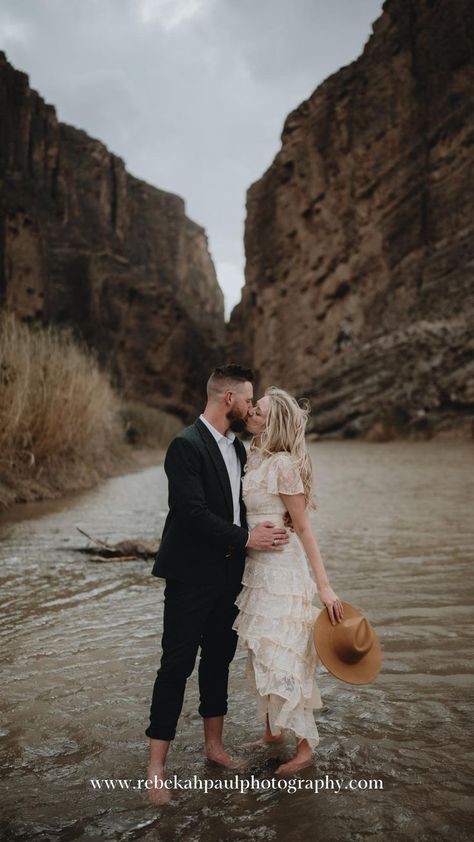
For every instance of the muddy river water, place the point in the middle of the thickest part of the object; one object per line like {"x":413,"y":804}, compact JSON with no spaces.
{"x":80,"y":644}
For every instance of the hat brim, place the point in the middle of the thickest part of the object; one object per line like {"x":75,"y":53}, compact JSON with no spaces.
{"x":362,"y":672}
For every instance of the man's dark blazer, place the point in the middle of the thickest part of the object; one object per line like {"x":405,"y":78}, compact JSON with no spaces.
{"x":200,"y":542}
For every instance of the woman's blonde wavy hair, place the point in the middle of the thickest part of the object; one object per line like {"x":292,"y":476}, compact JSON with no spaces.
{"x":285,"y":430}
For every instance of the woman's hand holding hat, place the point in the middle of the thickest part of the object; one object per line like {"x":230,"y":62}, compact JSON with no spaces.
{"x":333,"y":604}
{"x":349,"y":650}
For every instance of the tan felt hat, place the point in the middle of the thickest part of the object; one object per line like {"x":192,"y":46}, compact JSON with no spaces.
{"x":350,"y":650}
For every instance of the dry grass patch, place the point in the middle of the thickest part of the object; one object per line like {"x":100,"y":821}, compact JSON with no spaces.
{"x":62,"y":426}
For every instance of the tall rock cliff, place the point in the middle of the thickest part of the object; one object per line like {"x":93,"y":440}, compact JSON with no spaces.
{"x":360,"y":236}
{"x":85,"y":243}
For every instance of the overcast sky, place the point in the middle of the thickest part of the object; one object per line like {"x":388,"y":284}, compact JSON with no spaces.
{"x":192,"y":94}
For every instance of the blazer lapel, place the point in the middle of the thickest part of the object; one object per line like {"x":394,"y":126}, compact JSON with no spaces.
{"x":218,"y":461}
{"x":241,"y":453}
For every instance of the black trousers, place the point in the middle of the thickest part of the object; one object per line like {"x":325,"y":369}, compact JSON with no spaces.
{"x":195,"y":615}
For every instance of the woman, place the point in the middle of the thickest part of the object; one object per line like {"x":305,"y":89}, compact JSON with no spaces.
{"x":276,"y":614}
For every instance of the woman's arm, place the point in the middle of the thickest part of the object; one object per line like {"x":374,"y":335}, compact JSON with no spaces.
{"x":296,"y":507}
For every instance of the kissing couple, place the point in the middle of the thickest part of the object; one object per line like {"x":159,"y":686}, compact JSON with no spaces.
{"x":233,"y":570}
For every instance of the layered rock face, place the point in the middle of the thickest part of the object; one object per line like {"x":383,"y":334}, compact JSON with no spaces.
{"x":360,"y":236}
{"x":86,"y":244}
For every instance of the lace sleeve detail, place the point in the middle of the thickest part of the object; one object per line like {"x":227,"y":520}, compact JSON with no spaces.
{"x":283,"y":475}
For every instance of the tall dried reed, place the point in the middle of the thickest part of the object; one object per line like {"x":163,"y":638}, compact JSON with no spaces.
{"x":62,"y":426}
{"x":54,"y":400}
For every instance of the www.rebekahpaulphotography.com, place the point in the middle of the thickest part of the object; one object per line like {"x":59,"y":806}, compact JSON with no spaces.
{"x":241,"y":784}
{"x":236,"y":420}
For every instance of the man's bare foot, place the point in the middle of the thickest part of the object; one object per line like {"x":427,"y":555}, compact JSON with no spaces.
{"x":218,"y":754}
{"x":158,"y":793}
{"x":303,"y":758}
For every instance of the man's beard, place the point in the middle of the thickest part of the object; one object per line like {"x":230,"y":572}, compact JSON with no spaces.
{"x":236,"y":423}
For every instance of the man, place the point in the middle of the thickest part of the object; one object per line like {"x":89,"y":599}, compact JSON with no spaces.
{"x":202,"y":556}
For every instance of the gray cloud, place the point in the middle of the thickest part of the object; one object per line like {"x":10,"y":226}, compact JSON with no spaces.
{"x":191,"y":93}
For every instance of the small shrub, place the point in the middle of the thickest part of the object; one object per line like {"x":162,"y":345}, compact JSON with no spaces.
{"x":147,"y":426}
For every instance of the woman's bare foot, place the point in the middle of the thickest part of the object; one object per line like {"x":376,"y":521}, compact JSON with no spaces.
{"x":158,"y":793}
{"x":267,"y":739}
{"x":303,"y":758}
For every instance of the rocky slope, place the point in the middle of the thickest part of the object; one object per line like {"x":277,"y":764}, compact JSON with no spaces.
{"x":360,"y":236}
{"x":85,"y":243}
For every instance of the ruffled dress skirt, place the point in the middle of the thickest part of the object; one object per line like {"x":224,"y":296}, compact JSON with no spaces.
{"x":275,"y":622}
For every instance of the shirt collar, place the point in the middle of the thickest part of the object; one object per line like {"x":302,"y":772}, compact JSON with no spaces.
{"x":230,"y":435}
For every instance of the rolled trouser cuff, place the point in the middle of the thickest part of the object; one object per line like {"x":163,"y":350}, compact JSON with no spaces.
{"x":160,"y":733}
{"x":206,"y":713}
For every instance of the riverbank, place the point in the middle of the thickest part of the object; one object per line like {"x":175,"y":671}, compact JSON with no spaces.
{"x":26,"y":491}
{"x":136,"y":460}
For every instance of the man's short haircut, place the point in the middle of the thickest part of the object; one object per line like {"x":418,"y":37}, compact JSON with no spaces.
{"x":227,"y":377}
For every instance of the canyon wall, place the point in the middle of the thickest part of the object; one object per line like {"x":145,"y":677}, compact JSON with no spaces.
{"x":84,"y":243}
{"x":360,"y":236}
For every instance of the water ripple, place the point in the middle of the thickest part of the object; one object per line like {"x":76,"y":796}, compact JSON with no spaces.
{"x":81,"y":645}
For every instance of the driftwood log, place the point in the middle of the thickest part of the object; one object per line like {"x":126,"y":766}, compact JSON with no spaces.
{"x":122,"y":551}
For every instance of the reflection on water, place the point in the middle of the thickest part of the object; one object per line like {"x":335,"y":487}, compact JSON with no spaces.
{"x":80,"y":643}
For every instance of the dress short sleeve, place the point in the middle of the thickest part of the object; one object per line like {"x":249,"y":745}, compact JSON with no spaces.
{"x":283,"y":475}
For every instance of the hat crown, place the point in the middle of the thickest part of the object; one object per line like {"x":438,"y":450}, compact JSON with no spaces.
{"x":353,"y":638}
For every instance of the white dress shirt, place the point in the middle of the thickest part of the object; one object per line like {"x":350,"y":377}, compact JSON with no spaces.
{"x":232,"y":463}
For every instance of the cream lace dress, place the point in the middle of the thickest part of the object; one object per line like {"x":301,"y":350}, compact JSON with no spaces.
{"x":276,"y":614}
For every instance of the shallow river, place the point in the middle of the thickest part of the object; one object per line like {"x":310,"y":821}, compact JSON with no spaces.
{"x":80,"y":644}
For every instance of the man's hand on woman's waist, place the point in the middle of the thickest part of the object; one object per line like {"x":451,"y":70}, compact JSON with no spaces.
{"x":267,"y":536}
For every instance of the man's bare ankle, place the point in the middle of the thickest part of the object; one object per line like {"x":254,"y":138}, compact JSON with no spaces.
{"x":156,"y":768}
